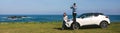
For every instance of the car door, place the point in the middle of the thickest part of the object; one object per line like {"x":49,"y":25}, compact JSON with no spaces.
{"x":96,"y":19}
{"x":87,"y":20}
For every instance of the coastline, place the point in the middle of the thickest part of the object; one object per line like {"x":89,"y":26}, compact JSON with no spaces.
{"x":44,"y":18}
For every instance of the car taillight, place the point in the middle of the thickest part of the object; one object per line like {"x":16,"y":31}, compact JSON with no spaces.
{"x":107,"y":17}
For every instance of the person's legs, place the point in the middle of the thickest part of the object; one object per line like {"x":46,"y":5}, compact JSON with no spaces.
{"x":74,"y":17}
{"x":63,"y":25}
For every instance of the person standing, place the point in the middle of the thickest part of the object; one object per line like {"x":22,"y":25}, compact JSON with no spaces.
{"x":75,"y":24}
{"x":74,"y":12}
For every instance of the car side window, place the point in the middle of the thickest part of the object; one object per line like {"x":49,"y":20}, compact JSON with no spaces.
{"x":96,"y":15}
{"x":85,"y":16}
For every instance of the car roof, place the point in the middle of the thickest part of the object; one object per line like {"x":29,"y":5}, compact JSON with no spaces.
{"x":94,"y":13}
{"x":91,"y":14}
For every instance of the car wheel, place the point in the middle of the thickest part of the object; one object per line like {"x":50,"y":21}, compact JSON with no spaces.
{"x":103,"y":24}
{"x":75,"y":26}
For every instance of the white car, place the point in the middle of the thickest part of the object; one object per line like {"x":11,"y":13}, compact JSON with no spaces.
{"x":89,"y":19}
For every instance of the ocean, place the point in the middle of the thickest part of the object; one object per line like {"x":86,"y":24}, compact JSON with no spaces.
{"x":43,"y":18}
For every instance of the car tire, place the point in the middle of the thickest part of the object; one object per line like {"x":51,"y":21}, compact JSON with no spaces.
{"x":75,"y":26}
{"x":103,"y":25}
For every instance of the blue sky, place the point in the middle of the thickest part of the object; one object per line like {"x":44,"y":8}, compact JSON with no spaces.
{"x":58,"y":7}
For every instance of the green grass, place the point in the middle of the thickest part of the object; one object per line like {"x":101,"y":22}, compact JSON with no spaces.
{"x":51,"y":27}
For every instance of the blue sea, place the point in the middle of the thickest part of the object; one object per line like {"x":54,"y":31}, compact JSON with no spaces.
{"x":43,"y":18}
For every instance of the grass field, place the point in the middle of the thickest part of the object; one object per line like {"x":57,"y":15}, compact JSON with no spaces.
{"x":51,"y":27}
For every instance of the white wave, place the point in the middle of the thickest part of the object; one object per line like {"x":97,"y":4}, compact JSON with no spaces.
{"x":12,"y":18}
{"x":4,"y":17}
{"x":26,"y":17}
